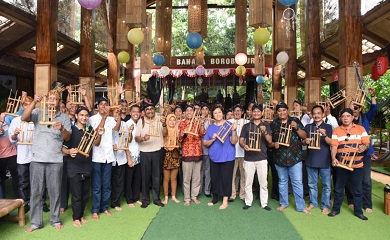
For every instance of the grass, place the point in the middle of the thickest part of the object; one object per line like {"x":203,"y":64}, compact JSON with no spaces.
{"x":175,"y":221}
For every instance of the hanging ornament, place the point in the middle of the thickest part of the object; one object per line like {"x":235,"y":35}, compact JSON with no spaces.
{"x":241,"y":59}
{"x":200,"y":81}
{"x":288,"y":16}
{"x":89,"y":4}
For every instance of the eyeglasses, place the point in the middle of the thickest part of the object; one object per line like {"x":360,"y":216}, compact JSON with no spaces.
{"x":347,"y":138}
{"x":356,"y":108}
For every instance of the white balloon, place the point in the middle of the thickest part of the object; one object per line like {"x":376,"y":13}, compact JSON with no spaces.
{"x":164,"y":71}
{"x":144,"y":77}
{"x":282,"y":57}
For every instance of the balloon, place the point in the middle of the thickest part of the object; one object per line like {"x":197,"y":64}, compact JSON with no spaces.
{"x":241,"y":58}
{"x":241,"y":70}
{"x":282,"y":57}
{"x":158,"y":59}
{"x":261,"y":36}
{"x":200,"y":70}
{"x":260,"y":79}
{"x":135,"y":36}
{"x":194,"y":40}
{"x":123,"y":57}
{"x":287,"y":2}
{"x":89,"y":4}
{"x":164,"y":71}
{"x":199,"y":48}
{"x":144,"y":77}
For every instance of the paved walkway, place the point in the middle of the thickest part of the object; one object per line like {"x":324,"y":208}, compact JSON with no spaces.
{"x":379,"y":177}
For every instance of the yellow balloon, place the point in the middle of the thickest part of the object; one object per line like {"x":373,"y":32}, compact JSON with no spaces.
{"x":123,"y":57}
{"x":199,"y":48}
{"x":241,"y":70}
{"x":135,"y":36}
{"x":261,"y":36}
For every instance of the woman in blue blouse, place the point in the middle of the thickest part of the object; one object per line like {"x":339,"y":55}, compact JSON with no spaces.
{"x":222,"y":156}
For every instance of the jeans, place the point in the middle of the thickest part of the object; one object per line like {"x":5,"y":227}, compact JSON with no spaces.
{"x":312,"y":174}
{"x":101,"y":186}
{"x":295,"y":174}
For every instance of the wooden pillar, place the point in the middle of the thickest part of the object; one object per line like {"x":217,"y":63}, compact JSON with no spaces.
{"x":291,"y":90}
{"x":313,"y":53}
{"x":113,"y":64}
{"x":241,"y":28}
{"x":350,"y":46}
{"x":129,"y":76}
{"x":45,"y":71}
{"x":278,"y":44}
{"x":87,"y":52}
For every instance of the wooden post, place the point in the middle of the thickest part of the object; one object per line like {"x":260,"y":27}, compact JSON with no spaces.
{"x":350,"y":45}
{"x":87,"y":52}
{"x":112,"y":71}
{"x":313,"y":53}
{"x":291,"y":91}
{"x":45,"y":71}
{"x":241,"y":29}
{"x":129,"y":85}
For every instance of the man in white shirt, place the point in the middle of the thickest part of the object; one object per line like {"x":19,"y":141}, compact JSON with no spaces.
{"x":23,"y":132}
{"x":102,"y":158}
{"x":238,"y":110}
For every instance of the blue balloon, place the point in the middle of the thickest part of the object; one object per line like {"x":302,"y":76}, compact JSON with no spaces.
{"x":194,"y":40}
{"x":288,"y":2}
{"x":260,"y":79}
{"x":158,"y":60}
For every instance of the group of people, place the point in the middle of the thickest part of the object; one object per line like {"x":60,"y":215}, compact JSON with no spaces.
{"x":211,"y":147}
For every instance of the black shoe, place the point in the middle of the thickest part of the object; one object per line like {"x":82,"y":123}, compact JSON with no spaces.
{"x":267,"y":208}
{"x":208,"y":195}
{"x":231,"y":199}
{"x":246,"y":207}
{"x":160,"y":204}
{"x":144,"y":205}
{"x":332,"y":214}
{"x":45,"y":208}
{"x":362,"y":217}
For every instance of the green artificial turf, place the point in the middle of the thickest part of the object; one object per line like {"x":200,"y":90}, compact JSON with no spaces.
{"x":176,"y":221}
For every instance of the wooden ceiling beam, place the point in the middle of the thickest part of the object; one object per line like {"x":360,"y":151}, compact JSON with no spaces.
{"x":69,"y":58}
{"x":17,"y":42}
{"x":374,"y":38}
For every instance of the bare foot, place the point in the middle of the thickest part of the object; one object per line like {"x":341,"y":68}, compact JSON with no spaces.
{"x":95,"y":216}
{"x":139,"y":202}
{"x":62,"y":210}
{"x":175,"y":199}
{"x":223,"y":206}
{"x":131,"y":205}
{"x":77,"y":223}
{"x":58,"y":226}
{"x":281,"y":208}
{"x":325,"y":211}
{"x":187,"y":203}
{"x":196,"y":201}
{"x":165,"y":200}
{"x":30,"y":229}
{"x":369,"y":210}
{"x":84,"y":220}
{"x":108,"y":213}
{"x":306,"y":211}
{"x":117,"y":208}
{"x":350,"y":206}
{"x":210,"y":204}
{"x":310,"y":207}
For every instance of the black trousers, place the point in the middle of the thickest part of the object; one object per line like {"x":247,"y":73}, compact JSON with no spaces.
{"x":151,"y":168}
{"x":24,"y":182}
{"x":117,"y":185}
{"x":10,"y":164}
{"x":133,"y":183}
{"x":64,"y":186}
{"x":221,"y":178}
{"x":79,"y":185}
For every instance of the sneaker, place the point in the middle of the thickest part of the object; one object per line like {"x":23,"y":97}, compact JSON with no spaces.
{"x":267,"y":208}
{"x":246,"y":207}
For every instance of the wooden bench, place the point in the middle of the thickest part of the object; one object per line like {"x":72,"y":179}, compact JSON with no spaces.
{"x":8,"y":205}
